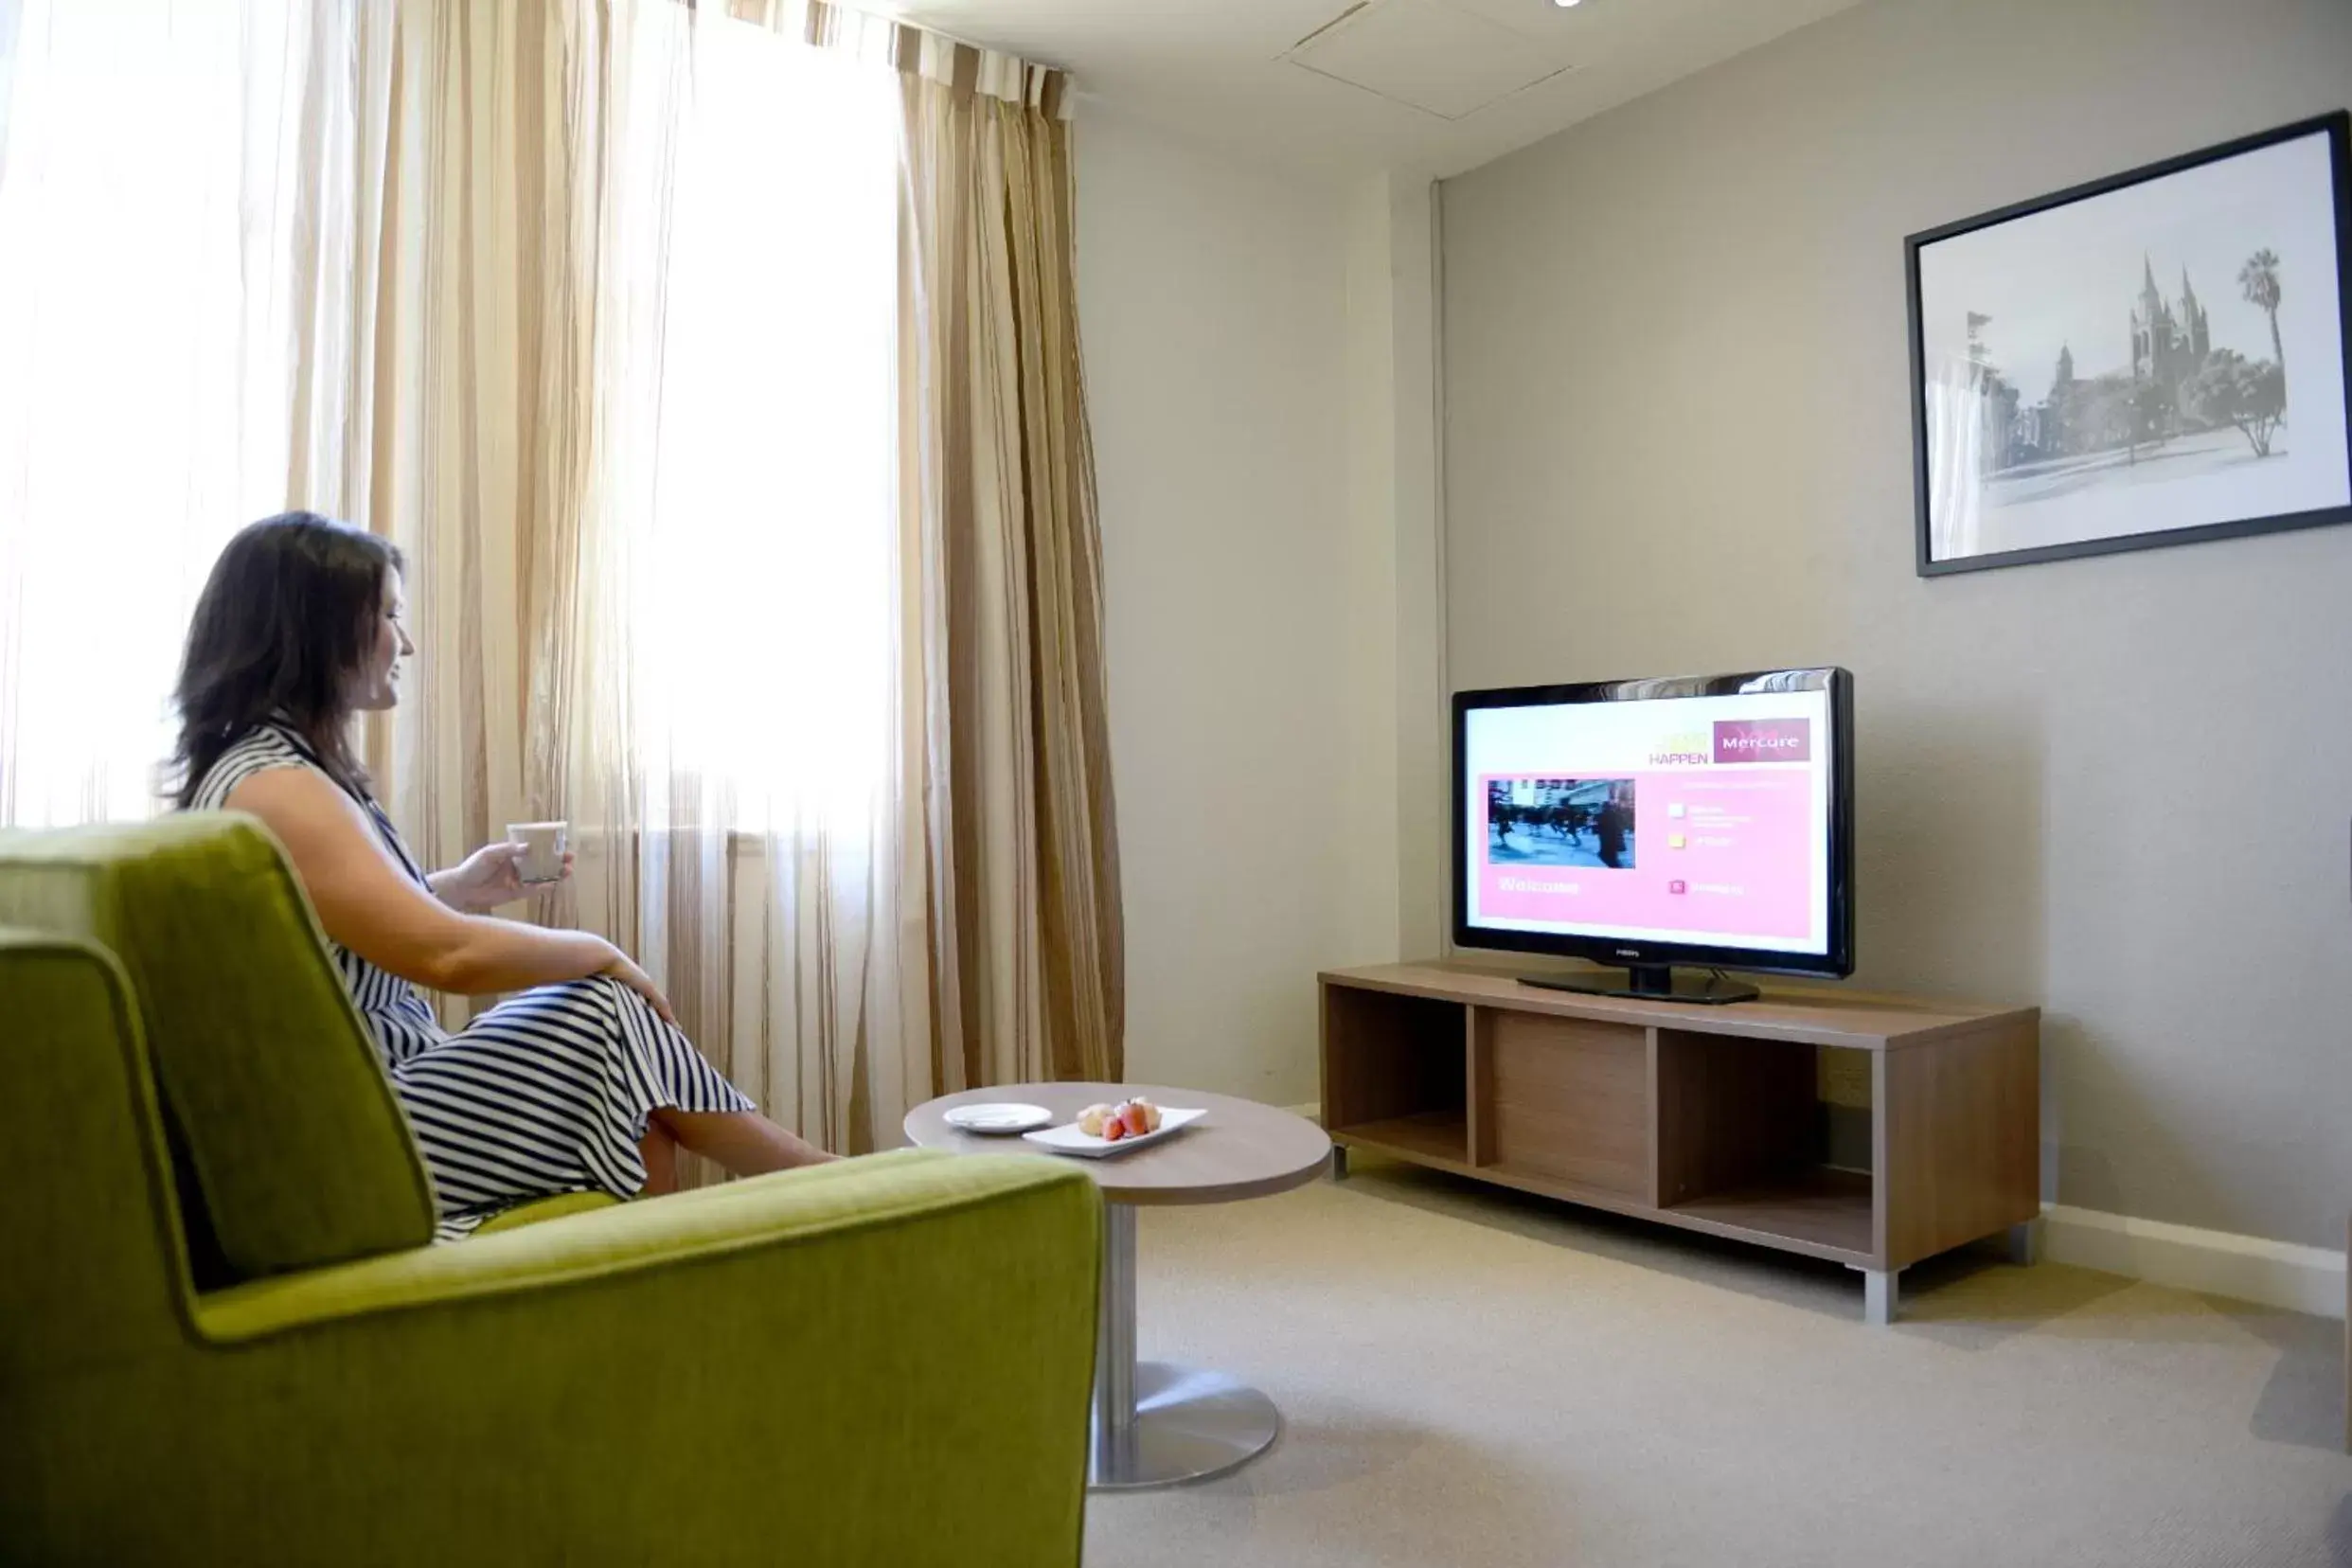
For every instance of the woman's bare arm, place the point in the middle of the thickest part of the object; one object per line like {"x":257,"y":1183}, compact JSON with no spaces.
{"x":366,"y":900}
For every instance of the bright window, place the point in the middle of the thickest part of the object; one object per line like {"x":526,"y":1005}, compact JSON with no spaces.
{"x":758,"y":520}
{"x":741,"y":610}
{"x":144,"y":370}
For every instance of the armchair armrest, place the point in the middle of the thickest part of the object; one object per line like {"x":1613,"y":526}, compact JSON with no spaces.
{"x":579,"y":1249}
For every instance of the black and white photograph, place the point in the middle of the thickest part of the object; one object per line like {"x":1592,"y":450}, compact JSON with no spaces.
{"x":1561,"y":822}
{"x":2152,"y":359}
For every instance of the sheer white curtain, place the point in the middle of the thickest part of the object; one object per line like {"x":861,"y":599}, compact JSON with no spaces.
{"x":153,"y":310}
{"x":736,"y":696}
{"x":753,"y":460}
{"x":11,"y":13}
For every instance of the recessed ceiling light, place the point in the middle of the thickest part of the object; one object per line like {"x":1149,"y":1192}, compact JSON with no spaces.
{"x":1563,"y":5}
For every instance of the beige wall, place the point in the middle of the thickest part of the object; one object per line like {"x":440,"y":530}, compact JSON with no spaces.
{"x":1250,"y":647}
{"x":1677,"y":440}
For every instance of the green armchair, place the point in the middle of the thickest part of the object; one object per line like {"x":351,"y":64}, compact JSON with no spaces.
{"x":224,"y":1337}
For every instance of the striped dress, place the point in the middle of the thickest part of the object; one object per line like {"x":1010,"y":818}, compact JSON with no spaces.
{"x":547,"y":1092}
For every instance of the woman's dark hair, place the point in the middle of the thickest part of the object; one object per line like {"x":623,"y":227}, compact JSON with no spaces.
{"x":287,"y":616}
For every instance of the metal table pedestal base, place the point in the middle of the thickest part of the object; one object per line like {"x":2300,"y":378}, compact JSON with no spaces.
{"x":1188,"y":1424}
{"x":1156,"y":1424}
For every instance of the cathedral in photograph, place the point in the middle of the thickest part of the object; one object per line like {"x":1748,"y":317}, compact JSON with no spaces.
{"x":2168,"y":341}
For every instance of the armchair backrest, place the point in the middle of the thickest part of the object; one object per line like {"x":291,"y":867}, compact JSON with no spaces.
{"x":284,"y":1129}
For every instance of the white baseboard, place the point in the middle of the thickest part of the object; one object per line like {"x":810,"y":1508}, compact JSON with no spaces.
{"x":2245,"y":1268}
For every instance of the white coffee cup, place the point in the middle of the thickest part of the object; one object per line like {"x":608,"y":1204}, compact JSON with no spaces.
{"x":543,"y":848}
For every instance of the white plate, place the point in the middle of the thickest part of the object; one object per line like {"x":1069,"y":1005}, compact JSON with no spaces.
{"x":997,"y":1118}
{"x":1069,"y":1140}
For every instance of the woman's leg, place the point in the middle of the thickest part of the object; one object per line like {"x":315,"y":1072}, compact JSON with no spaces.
{"x":744,"y":1142}
{"x":660,"y":1153}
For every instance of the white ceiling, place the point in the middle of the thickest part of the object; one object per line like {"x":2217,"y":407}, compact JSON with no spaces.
{"x":1307,"y":84}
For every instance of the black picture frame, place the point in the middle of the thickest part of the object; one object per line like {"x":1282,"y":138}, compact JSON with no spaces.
{"x":2337,"y":127}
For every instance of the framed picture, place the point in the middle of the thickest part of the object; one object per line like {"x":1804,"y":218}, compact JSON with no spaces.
{"x":2153,"y":358}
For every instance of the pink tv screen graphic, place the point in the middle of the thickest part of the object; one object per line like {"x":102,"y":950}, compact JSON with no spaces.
{"x":1670,"y":849}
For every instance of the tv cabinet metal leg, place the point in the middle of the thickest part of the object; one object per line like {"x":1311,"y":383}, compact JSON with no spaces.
{"x":1339,"y":1161}
{"x":1878,"y":1296}
{"x":2023,"y":1241}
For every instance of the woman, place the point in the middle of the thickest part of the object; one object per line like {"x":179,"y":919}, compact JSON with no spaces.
{"x":582,"y":1084}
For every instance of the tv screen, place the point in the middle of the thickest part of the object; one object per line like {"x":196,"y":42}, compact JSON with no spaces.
{"x":1704,"y":821}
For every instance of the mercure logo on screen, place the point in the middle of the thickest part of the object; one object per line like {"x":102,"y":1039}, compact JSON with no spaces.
{"x":1763,"y":739}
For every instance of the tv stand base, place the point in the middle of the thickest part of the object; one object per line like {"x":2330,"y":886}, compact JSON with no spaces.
{"x":1653,"y":982}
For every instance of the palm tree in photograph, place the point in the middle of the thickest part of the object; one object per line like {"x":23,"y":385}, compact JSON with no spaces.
{"x":2259,"y":278}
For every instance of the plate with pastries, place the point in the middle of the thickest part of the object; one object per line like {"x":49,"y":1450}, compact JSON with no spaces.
{"x":1102,"y":1131}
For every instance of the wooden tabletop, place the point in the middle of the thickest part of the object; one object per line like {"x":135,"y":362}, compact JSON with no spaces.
{"x":1239,"y":1150}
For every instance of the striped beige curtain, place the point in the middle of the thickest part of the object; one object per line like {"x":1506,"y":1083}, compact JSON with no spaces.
{"x":998,"y":498}
{"x":456,"y":159}
{"x":1000,"y":565}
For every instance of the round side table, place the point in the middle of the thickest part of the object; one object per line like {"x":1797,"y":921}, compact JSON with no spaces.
{"x":1156,"y":1423}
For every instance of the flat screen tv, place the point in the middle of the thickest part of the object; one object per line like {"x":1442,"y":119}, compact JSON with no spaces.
{"x":1704,"y":821}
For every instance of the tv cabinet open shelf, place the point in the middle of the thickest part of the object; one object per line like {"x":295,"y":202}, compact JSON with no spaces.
{"x":1702,"y":1117}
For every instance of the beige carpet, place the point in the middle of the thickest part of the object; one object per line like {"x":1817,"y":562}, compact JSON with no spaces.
{"x":1474,"y":1379}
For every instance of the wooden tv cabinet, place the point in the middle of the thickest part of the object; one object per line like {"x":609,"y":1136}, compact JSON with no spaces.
{"x":1705,"y":1117}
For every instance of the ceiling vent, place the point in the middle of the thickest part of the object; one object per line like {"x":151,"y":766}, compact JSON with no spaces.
{"x":1427,"y":54}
